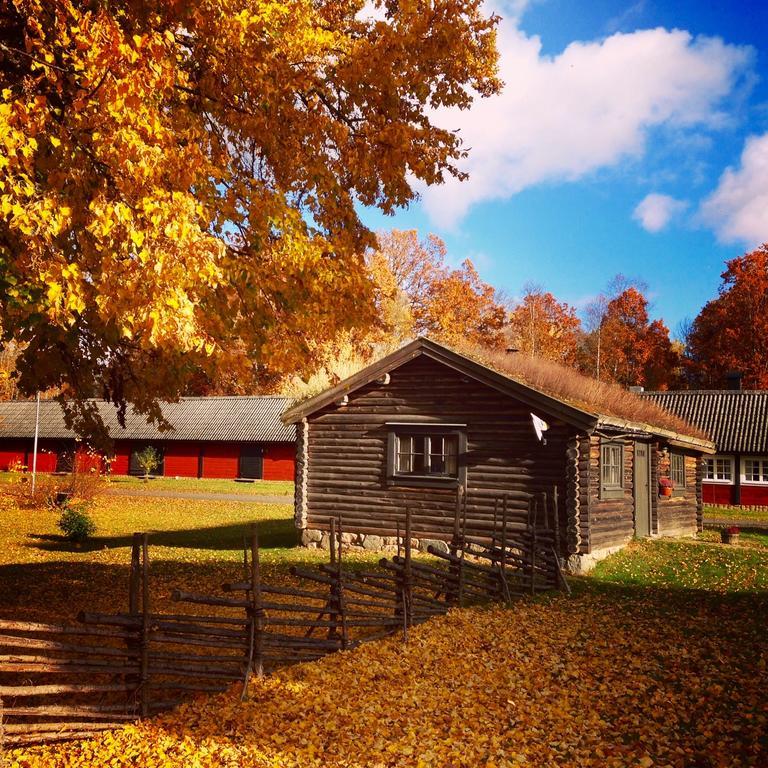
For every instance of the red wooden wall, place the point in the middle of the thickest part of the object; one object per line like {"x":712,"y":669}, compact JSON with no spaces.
{"x":122,"y":457}
{"x":279,"y":461}
{"x":220,"y":460}
{"x":181,"y":459}
{"x":12,"y":452}
{"x":754,"y":495}
{"x":716,"y":493}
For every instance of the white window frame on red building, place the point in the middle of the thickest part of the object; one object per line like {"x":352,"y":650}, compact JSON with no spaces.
{"x":763,"y":470}
{"x":716,"y":475}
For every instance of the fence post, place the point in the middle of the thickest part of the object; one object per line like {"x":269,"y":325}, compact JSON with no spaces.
{"x":503,"y":557}
{"x":407,"y":581}
{"x":463,"y":543}
{"x":535,"y":507}
{"x":145,"y":616}
{"x":255,"y":611}
{"x":341,"y":600}
{"x":256,"y":603}
{"x":135,"y":575}
{"x":333,"y":597}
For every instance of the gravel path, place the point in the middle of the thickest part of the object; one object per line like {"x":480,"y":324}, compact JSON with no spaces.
{"x":201,"y":495}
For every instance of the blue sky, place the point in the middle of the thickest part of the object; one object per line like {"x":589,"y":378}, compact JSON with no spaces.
{"x":631,"y":137}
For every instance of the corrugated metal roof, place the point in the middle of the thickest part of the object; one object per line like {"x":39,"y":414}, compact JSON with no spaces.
{"x":239,"y":419}
{"x":737,"y":420}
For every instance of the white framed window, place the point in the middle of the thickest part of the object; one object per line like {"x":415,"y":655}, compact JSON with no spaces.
{"x":611,"y":470}
{"x":718,"y":469}
{"x":754,"y":470}
{"x":426,"y":453}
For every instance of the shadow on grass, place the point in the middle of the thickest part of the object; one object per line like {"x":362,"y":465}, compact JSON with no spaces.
{"x":272,"y":534}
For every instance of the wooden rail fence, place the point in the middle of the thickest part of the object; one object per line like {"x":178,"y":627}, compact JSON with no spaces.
{"x":62,"y":682}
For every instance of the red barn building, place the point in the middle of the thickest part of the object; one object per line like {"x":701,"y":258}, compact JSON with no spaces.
{"x":737,"y":421}
{"x":221,"y":437}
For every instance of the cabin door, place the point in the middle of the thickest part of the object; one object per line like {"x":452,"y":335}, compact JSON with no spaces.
{"x":642,"y":490}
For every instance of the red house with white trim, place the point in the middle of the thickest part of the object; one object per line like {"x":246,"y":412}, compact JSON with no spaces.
{"x":212,"y":437}
{"x":737,"y":421}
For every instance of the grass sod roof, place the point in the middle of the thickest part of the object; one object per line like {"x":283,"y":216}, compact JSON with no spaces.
{"x":603,"y":398}
{"x":572,"y":396}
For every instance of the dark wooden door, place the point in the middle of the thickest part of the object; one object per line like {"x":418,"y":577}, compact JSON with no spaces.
{"x":251,"y":462}
{"x":642,"y":490}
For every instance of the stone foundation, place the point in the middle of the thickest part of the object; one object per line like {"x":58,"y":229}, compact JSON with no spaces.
{"x":369,"y":542}
{"x":581,"y":564}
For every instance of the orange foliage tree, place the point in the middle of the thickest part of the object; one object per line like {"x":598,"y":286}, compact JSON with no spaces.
{"x":417,"y":293}
{"x":178,"y":178}
{"x":625,"y":347}
{"x":542,"y":326}
{"x":731,"y":331}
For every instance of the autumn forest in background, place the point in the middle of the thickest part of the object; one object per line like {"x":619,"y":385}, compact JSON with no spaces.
{"x":613,"y":337}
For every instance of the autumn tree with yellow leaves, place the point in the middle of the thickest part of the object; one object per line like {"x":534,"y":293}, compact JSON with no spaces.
{"x":179,"y":178}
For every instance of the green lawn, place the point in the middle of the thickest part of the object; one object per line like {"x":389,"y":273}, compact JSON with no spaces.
{"x":195,"y":545}
{"x":186,"y":484}
{"x":257,"y":487}
{"x":735,"y":513}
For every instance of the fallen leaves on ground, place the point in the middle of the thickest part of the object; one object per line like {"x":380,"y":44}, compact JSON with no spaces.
{"x":622,"y":677}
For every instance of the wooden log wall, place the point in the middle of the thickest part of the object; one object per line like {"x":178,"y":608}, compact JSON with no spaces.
{"x":346,"y":471}
{"x":609,"y":522}
{"x":678,"y":514}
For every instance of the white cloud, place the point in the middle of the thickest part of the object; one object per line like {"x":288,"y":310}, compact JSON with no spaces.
{"x":655,"y":211}
{"x":738,"y":208}
{"x":561,"y":117}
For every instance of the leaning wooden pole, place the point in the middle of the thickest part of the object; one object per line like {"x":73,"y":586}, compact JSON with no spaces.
{"x":145,"y":622}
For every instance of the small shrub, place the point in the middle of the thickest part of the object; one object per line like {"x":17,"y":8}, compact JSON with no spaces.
{"x":76,"y":524}
{"x":148,"y":460}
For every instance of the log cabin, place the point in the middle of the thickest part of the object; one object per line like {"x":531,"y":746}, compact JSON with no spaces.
{"x":427,"y":429}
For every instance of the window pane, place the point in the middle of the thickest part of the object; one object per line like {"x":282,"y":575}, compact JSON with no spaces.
{"x":427,"y":454}
{"x":451,"y":448}
{"x":722,"y":469}
{"x":404,"y":448}
{"x":611,"y":469}
{"x":677,"y":470}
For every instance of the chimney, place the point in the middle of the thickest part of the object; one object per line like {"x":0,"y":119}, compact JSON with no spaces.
{"x":733,"y":380}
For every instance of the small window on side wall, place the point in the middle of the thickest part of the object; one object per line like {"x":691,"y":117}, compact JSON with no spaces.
{"x":677,"y":471}
{"x":611,"y":470}
{"x":425,"y":455}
